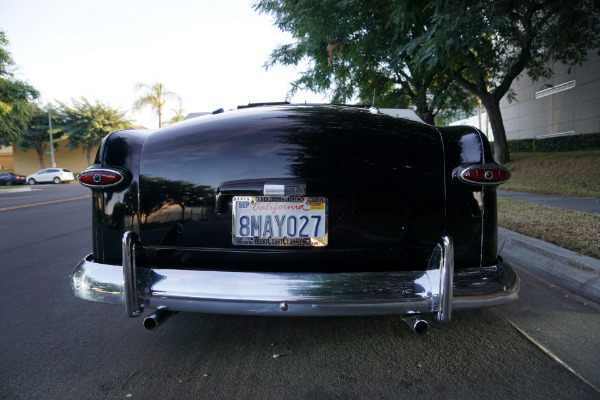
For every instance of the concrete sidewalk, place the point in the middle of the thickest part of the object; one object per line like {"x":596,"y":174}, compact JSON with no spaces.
{"x":579,"y":275}
{"x":14,"y":190}
{"x":585,"y":204}
{"x":559,"y":303}
{"x":565,"y":328}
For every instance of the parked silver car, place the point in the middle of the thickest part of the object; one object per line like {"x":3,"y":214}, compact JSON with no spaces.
{"x":56,"y":175}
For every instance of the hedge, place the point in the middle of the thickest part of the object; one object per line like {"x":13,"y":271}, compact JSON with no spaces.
{"x":560,"y":143}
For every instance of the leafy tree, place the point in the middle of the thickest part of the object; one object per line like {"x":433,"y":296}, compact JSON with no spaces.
{"x":36,"y":137}
{"x":486,"y":44}
{"x":16,"y":98}
{"x":162,"y":193}
{"x":155,"y":97}
{"x":359,"y":48}
{"x":86,"y":124}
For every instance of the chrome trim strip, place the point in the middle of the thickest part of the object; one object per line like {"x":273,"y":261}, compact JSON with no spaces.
{"x":373,"y":109}
{"x":287,"y":189}
{"x":304,"y":294}
{"x":444,"y":311}
{"x":132,"y":304}
{"x":291,"y":287}
{"x":485,"y":286}
{"x":273,"y":190}
{"x":102,"y":283}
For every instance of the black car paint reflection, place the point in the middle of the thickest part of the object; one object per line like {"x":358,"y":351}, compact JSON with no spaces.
{"x":384,"y":179}
{"x":381,"y":196}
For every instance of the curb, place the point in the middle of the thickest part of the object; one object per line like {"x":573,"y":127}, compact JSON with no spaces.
{"x":23,"y":189}
{"x":571,"y":271}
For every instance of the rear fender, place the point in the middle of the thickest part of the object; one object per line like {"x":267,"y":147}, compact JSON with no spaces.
{"x":471,"y":210}
{"x":115,"y":209}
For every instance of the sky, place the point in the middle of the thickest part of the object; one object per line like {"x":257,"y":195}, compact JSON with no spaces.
{"x":209,"y":52}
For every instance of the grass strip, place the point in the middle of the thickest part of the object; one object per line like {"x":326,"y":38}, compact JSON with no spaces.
{"x":11,"y":187}
{"x":573,"y":230}
{"x":570,"y":173}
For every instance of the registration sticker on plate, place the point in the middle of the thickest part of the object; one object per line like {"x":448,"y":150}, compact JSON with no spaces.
{"x":279,"y":221}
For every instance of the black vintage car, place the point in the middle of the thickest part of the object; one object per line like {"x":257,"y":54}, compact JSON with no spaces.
{"x":296,"y":210}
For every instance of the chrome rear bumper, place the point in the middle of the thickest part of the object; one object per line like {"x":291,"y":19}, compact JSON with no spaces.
{"x":437,"y":290}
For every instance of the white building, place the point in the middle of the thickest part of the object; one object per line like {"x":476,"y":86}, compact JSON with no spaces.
{"x":565,"y":104}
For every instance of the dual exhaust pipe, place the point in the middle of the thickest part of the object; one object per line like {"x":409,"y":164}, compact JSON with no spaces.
{"x":415,"y":322}
{"x":157,"y":318}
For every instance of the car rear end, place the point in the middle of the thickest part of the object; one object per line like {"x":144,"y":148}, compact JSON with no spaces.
{"x":293,"y":210}
{"x":19,"y":179}
{"x":66,"y":175}
{"x":10,"y":179}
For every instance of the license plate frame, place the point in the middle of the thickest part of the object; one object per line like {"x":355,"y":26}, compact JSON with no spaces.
{"x":276,"y":217}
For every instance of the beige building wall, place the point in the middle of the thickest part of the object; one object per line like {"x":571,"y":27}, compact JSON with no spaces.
{"x":7,"y":163}
{"x":27,"y":163}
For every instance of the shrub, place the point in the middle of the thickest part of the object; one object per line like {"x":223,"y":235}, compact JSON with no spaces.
{"x":560,"y":143}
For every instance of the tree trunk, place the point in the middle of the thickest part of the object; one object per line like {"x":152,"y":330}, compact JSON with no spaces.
{"x":89,"y":155}
{"x":425,"y":113}
{"x":40,"y":154}
{"x":428,"y":118}
{"x":500,"y":144}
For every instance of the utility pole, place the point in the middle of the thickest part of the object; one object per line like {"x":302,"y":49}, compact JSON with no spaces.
{"x":479,"y":112}
{"x":50,"y":131}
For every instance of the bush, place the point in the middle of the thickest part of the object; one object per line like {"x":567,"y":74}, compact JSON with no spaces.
{"x":560,"y":143}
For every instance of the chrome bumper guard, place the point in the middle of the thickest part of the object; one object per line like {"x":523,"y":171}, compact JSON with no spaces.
{"x":437,"y":290}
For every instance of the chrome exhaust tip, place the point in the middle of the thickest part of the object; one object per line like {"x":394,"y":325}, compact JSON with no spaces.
{"x":416,"y":323}
{"x":157,"y":318}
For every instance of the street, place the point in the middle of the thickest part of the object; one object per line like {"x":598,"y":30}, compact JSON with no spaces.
{"x":54,"y":346}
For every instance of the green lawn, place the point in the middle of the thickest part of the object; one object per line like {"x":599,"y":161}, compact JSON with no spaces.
{"x":573,"y":230}
{"x":10,"y":187}
{"x":574,"y":173}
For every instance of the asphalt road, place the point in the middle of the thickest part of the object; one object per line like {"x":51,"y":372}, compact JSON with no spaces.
{"x":54,"y":346}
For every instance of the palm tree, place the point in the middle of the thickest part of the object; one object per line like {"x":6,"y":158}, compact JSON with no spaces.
{"x":179,"y":116}
{"x":155,"y":97}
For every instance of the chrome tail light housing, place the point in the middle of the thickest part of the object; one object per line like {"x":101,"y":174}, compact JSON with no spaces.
{"x":101,"y":178}
{"x":482,"y":174}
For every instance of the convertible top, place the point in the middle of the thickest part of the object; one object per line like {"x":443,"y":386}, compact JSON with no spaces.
{"x":394,"y":112}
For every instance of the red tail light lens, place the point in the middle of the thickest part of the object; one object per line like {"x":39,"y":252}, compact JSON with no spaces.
{"x":484,"y":175}
{"x":100,"y":178}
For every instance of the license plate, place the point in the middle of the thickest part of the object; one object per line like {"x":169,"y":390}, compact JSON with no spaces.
{"x":279,"y":221}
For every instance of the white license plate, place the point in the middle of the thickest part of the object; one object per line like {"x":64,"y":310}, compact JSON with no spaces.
{"x":279,"y":221}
